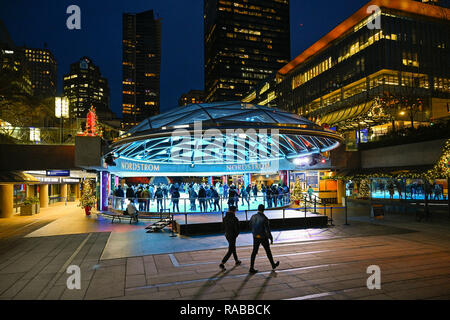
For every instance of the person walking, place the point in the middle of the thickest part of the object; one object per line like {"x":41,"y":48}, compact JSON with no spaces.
{"x":259,"y":225}
{"x":231,"y":225}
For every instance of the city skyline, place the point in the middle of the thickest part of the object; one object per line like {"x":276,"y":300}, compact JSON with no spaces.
{"x":102,"y":41}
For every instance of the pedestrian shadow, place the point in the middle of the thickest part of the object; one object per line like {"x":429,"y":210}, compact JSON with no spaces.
{"x":211,"y":281}
{"x":271,"y":275}
{"x":244,"y":282}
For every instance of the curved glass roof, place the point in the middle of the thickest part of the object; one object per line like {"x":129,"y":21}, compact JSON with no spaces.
{"x":219,"y":113}
{"x":247,"y":133}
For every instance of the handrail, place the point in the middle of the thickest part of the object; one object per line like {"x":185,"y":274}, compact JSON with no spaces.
{"x":199,"y":205}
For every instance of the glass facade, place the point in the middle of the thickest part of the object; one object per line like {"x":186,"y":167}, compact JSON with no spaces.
{"x":399,"y":70}
{"x":245,"y":42}
{"x":239,"y":133}
{"x":141,"y":65}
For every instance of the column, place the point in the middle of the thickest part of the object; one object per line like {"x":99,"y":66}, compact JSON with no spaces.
{"x":6,"y":200}
{"x":63,"y":192}
{"x":77,"y":191}
{"x":28,"y":191}
{"x":340,"y":191}
{"x":43,"y":195}
{"x":104,"y":177}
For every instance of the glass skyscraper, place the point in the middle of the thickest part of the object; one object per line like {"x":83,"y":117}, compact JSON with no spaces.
{"x":141,"y":64}
{"x":246,"y":41}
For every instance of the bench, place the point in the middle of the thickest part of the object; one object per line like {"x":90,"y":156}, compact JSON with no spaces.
{"x":118,"y":214}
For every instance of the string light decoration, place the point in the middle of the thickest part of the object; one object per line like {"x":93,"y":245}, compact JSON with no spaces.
{"x":88,"y":199}
{"x":297,"y":194}
{"x":92,"y":126}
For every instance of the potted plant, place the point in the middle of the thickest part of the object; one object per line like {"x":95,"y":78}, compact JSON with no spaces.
{"x":87,"y":200}
{"x":29,"y":206}
{"x":71,"y":198}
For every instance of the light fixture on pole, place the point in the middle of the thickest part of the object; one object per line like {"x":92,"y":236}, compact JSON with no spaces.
{"x":62,"y":112}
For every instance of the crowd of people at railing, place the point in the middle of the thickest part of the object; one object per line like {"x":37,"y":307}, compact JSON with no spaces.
{"x":411,"y":189}
{"x":199,"y":197}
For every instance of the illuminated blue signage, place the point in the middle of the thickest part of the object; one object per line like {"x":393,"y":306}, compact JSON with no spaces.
{"x":57,"y":173}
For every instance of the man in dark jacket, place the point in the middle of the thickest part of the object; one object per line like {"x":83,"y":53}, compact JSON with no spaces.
{"x":202,"y":199}
{"x":231,"y":224}
{"x":175,"y":200}
{"x":259,"y":224}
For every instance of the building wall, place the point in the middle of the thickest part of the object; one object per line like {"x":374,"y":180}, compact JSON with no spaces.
{"x":414,"y":154}
{"x":36,"y":157}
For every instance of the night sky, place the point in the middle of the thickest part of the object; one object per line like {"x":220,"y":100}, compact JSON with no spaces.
{"x":33,"y":23}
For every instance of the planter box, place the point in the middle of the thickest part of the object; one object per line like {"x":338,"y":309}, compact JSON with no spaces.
{"x":27,"y":210}
{"x":30,"y":209}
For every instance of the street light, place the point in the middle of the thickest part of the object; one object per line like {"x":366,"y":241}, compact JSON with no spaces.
{"x":62,"y":112}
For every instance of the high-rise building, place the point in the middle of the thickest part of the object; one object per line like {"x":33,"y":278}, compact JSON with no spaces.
{"x":43,"y":68}
{"x":141,"y":65}
{"x":246,"y":41}
{"x":85,"y":86}
{"x":193,"y":96}
{"x":13,"y":67}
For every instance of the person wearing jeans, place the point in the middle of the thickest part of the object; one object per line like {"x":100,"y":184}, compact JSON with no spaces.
{"x":259,"y":224}
{"x":231,"y":224}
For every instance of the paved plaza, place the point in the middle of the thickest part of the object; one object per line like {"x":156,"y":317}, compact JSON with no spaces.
{"x":122,"y":261}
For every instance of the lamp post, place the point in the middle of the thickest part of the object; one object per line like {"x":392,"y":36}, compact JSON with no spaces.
{"x":61,"y":112}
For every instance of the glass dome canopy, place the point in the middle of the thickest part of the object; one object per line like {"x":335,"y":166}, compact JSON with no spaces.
{"x":219,"y":114}
{"x":261,"y":134}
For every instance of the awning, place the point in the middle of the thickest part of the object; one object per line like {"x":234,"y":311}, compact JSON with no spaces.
{"x":17,"y":177}
{"x":347,"y":113}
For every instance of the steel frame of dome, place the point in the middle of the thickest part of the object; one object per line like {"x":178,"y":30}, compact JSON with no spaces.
{"x":259,"y":134}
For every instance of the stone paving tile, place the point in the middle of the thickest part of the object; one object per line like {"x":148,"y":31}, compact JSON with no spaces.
{"x":107,"y":282}
{"x":135,"y":266}
{"x":34,"y":287}
{"x":7,"y":280}
{"x":13,"y":290}
{"x":55,"y":292}
{"x":413,"y":265}
{"x":135,"y":280}
{"x":76,"y":294}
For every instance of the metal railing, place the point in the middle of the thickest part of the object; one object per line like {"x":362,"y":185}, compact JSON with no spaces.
{"x":199,"y":205}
